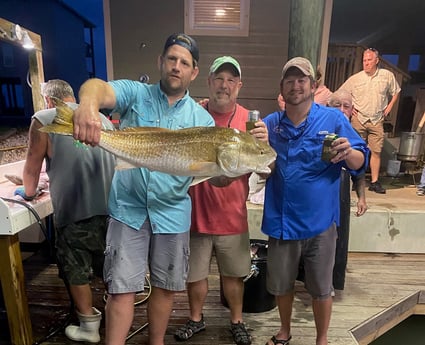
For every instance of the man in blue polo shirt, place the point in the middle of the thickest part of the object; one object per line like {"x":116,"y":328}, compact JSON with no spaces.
{"x":150,"y":211}
{"x":301,"y":208}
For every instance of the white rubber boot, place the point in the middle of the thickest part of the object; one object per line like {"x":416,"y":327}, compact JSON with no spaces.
{"x":88,"y":329}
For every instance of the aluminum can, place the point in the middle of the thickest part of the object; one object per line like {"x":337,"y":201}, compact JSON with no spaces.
{"x":253,"y":117}
{"x":327,"y":152}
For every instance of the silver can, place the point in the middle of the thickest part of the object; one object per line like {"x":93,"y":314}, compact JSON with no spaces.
{"x":253,"y":117}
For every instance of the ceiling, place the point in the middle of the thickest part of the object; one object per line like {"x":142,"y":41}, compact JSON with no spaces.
{"x":391,"y":26}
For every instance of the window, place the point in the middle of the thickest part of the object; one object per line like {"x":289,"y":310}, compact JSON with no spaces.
{"x":217,"y":18}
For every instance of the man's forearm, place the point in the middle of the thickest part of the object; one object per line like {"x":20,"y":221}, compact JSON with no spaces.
{"x":392,"y":102}
{"x":30,"y":177}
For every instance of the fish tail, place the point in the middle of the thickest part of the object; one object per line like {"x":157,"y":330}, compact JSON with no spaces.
{"x":62,"y":123}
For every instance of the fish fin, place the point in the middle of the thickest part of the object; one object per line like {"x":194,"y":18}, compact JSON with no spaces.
{"x":140,"y":130}
{"x":122,"y":164}
{"x":56,"y":129}
{"x":206,"y":168}
{"x":62,"y":123}
{"x":199,"y":179}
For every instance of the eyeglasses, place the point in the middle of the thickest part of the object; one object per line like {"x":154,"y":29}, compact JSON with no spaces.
{"x":373,"y":50}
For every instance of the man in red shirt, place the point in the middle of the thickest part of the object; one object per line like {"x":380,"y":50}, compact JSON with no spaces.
{"x":219,"y":213}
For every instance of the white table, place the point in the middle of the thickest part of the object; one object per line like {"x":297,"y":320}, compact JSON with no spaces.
{"x":13,"y":219}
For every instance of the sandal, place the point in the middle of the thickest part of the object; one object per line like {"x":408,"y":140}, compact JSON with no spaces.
{"x":276,"y":341}
{"x":189,"y":329}
{"x":240,"y":333}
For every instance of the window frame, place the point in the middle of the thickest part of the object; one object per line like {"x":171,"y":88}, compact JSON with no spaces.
{"x":211,"y":29}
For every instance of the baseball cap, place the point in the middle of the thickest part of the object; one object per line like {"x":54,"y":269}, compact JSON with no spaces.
{"x":220,"y":61}
{"x":302,"y":64}
{"x":184,"y":41}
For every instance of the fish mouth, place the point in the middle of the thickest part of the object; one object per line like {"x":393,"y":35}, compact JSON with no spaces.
{"x":263,"y":170}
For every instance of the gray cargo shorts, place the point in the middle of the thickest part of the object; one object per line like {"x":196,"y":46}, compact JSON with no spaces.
{"x":317,"y":254}
{"x":131,"y":254}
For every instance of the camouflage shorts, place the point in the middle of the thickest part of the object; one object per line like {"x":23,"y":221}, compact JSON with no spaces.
{"x":80,"y":249}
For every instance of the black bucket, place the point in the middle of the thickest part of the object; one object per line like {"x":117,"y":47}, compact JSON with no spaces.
{"x":256,"y":298}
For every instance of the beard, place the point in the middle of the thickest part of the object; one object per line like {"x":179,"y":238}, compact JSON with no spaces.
{"x":172,"y":86}
{"x":298,"y":97}
{"x":222,"y":98}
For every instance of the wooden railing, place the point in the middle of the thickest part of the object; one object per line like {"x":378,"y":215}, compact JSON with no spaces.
{"x":344,"y":60}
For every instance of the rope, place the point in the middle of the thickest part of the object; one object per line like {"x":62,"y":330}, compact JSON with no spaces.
{"x":11,"y":148}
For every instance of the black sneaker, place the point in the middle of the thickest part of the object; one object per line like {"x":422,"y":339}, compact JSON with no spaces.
{"x":240,"y":333}
{"x":377,"y":188}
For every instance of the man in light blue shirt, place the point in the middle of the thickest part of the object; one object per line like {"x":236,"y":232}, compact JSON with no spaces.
{"x":150,"y":211}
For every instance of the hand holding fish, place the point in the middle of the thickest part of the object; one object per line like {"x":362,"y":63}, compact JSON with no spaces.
{"x":94,"y":94}
{"x":87,"y":124}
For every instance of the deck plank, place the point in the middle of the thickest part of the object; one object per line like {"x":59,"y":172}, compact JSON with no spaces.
{"x":374,"y":282}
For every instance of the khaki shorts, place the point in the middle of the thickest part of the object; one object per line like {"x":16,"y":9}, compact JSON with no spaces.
{"x":372,"y":134}
{"x":317,"y":254}
{"x":232,"y":252}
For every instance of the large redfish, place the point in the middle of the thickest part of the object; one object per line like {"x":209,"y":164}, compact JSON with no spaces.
{"x":195,"y":151}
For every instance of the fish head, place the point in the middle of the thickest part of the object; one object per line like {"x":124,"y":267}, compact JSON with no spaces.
{"x":245,"y":154}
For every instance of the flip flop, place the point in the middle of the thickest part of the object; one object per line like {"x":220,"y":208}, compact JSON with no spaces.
{"x":276,"y":341}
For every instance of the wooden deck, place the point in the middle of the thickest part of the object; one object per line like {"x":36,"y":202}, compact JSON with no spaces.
{"x":374,"y":282}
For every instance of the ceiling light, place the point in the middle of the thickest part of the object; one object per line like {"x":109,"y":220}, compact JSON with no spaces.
{"x":27,"y":42}
{"x":16,"y":32}
{"x":21,"y":35}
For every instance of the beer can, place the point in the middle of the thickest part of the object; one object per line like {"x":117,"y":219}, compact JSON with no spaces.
{"x":327,"y":152}
{"x":253,"y":117}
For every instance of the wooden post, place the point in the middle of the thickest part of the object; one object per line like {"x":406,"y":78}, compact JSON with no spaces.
{"x":15,"y":298}
{"x":37,"y":77}
{"x":305,"y":29}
